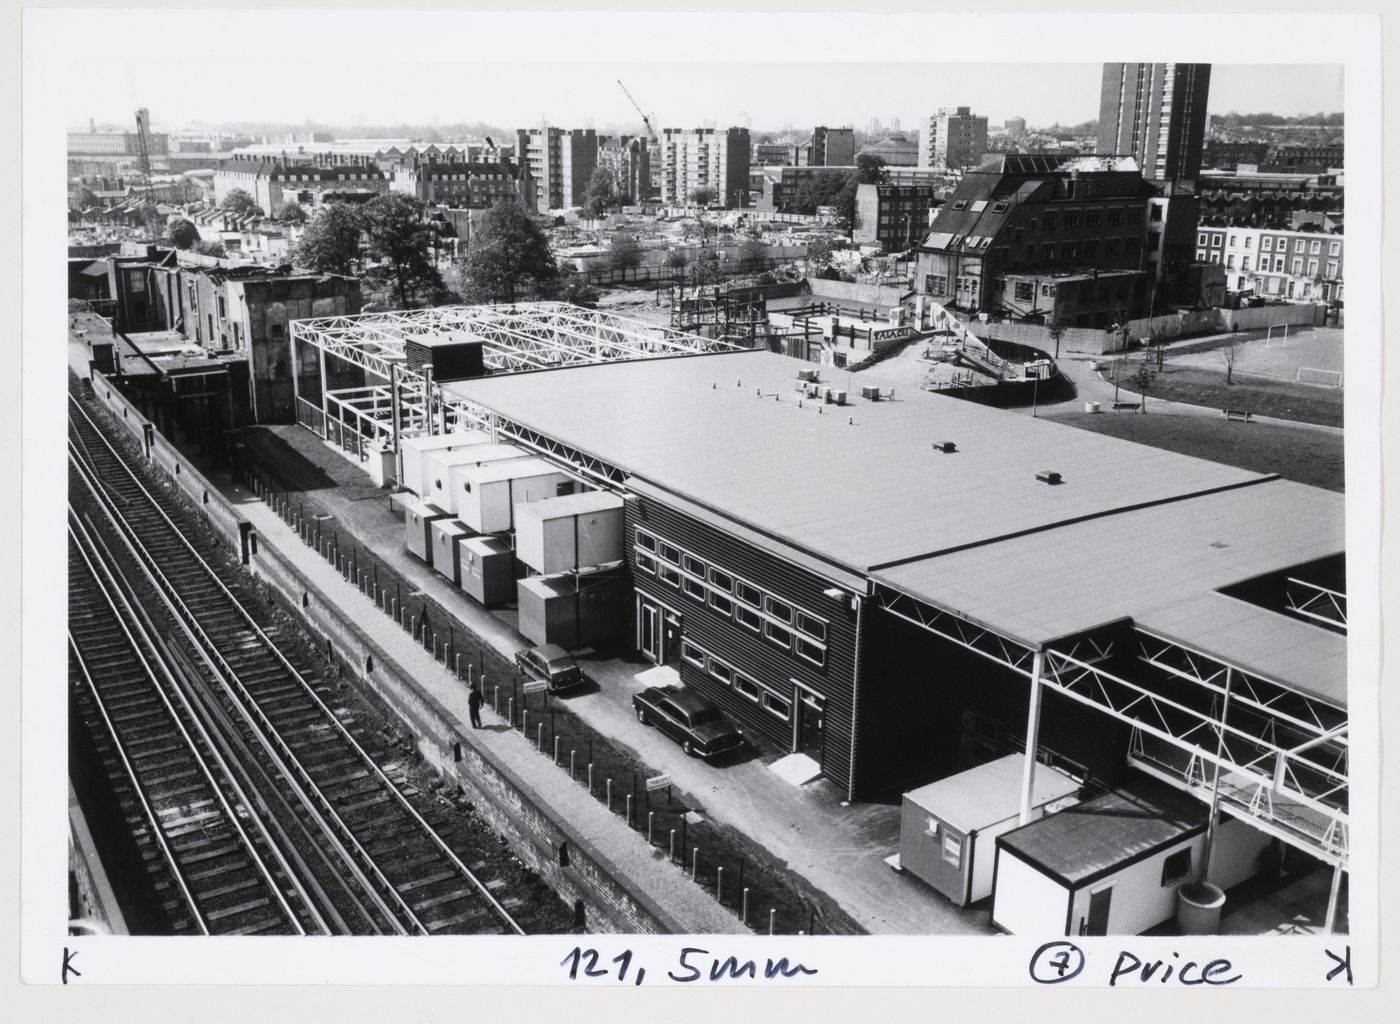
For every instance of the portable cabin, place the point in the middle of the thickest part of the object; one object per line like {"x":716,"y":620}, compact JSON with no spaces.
{"x":418,"y":524}
{"x":572,"y":611}
{"x":487,"y":569}
{"x":414,"y":448}
{"x":1108,"y":866}
{"x":948,"y":829}
{"x":488,"y":494}
{"x":481,"y":455}
{"x":570,"y":532}
{"x":439,"y":485}
{"x":447,"y":553}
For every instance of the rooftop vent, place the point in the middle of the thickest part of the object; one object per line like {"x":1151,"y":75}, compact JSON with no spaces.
{"x":1047,"y":476}
{"x":948,"y":447}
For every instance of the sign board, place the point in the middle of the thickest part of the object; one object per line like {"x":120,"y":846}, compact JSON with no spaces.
{"x":658,"y":782}
{"x":535,"y":686}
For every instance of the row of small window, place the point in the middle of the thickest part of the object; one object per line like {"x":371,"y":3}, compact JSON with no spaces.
{"x":727,"y":675}
{"x":782,"y":623}
{"x":1267,"y":243}
{"x":1280,"y":265}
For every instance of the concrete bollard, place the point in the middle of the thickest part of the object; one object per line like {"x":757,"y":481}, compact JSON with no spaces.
{"x":772,"y":918}
{"x":539,"y":738}
{"x":628,"y":809}
{"x":510,"y":705}
{"x":556,"y":751}
{"x":524,"y":719}
{"x":651,"y":822}
{"x":695,"y":864}
{"x":672,"y":856}
{"x":744,"y":907}
{"x":609,"y":791}
{"x":590,"y":778}
{"x":457,"y":665}
{"x":571,"y":765}
{"x":719,"y":884}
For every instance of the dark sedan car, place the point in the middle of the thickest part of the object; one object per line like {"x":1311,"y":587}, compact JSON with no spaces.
{"x":694,"y":724}
{"x":551,"y":663}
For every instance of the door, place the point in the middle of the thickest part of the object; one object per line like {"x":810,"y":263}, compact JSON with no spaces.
{"x":649,"y":630}
{"x":811,"y":727}
{"x":1099,"y":901}
{"x":670,"y":638}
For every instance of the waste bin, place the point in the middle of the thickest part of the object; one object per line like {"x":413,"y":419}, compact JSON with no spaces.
{"x":1091,"y":406}
{"x":1198,"y":908}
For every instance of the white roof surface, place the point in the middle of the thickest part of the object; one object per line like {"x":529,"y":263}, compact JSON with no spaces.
{"x":989,"y":793}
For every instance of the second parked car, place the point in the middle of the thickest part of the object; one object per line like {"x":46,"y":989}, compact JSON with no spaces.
{"x":693,"y":723}
{"x":551,"y":663}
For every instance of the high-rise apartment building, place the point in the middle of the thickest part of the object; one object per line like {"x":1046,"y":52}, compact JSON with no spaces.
{"x":716,"y":159}
{"x":952,"y":139}
{"x":1155,"y":113}
{"x":828,"y":147}
{"x":559,"y":162}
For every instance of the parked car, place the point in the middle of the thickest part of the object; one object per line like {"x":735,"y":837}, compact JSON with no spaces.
{"x":551,"y":663}
{"x":692,"y":722}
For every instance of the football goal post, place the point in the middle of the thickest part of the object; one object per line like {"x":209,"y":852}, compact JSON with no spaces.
{"x":1282,"y":335}
{"x":1318,"y":378}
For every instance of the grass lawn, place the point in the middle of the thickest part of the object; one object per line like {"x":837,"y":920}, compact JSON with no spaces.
{"x":1262,"y":397}
{"x":1307,"y":456}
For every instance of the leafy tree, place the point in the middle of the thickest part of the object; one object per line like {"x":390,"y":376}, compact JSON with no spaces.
{"x":838,"y":190}
{"x":704,"y":196}
{"x":870,"y":169}
{"x":239,"y":201}
{"x":292,"y":213}
{"x":625,"y":253}
{"x":183,"y":234}
{"x":331,"y":242}
{"x":150,"y":218}
{"x":579,"y":292}
{"x":753,"y":254}
{"x":1056,"y":326}
{"x":400,"y":240}
{"x":600,"y":195}
{"x":819,"y":253}
{"x":210,"y":249}
{"x":508,"y":255}
{"x":706,"y":269}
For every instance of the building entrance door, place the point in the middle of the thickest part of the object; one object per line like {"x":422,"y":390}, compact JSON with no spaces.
{"x":811,"y":726}
{"x":1099,"y":903}
{"x":649,"y":630}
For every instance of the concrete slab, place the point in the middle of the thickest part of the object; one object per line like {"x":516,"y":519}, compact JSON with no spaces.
{"x":796,"y":769}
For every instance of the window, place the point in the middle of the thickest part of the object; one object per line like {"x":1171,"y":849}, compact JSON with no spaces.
{"x":961,"y":204}
{"x":1046,"y":290}
{"x":777,"y":706}
{"x":811,"y":625}
{"x":1176,"y":867}
{"x":1200,"y":255}
{"x":1315,"y":248}
{"x":668,"y":575}
{"x":1025,"y":291}
{"x":692,"y":654}
{"x":721,"y":672}
{"x":1333,"y":248}
{"x":1249,"y":241}
{"x":1244,"y":265}
{"x":1298,"y":245}
{"x":1110,"y":249}
{"x":1049,"y":221}
{"x":1091,"y":250}
{"x":1233,"y":241}
{"x":778,"y":609}
{"x":669,"y":552}
{"x":693,"y":565}
{"x":646,"y":563}
{"x":1229,"y":263}
{"x":1071,"y":220}
{"x":952,"y":850}
{"x":1091,"y":219}
{"x":998,"y":207}
{"x":747,"y":593}
{"x":1047,"y":252}
{"x":1279,"y":262}
{"x":814,"y":653}
{"x":1114,"y":218}
{"x":721,"y":604}
{"x":1134,"y":216}
{"x":693,"y":588}
{"x":776,"y":633}
{"x":646,"y":540}
{"x":1267,"y":244}
{"x":1297,"y":267}
{"x":1312,"y":268}
{"x":746,"y":687}
{"x":721,"y":580}
{"x":1202,"y":238}
{"x":1216,"y":241}
{"x":748,"y":617}
{"x":1331,"y":270}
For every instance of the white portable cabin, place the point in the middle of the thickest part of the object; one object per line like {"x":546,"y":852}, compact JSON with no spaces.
{"x":447,"y":554}
{"x":414,"y":448}
{"x":418,"y":525}
{"x":487,"y":569}
{"x":573,"y":610}
{"x":948,"y":829}
{"x":1107,"y":866}
{"x":570,"y":532}
{"x":481,"y":455}
{"x":487,"y":495}
{"x":442,"y":487}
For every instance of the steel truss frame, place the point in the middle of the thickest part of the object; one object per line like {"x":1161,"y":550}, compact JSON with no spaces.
{"x":1281,"y":756}
{"x":1318,"y":603}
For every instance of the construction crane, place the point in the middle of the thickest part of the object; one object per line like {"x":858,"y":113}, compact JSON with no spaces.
{"x":144,"y":143}
{"x":645,"y":120}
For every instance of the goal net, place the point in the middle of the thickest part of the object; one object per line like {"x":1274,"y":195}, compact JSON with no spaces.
{"x":1281,"y":335}
{"x":1318,"y":378}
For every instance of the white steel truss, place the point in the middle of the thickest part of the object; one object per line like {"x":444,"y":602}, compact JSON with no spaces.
{"x":1281,"y":755}
{"x":1318,"y":603}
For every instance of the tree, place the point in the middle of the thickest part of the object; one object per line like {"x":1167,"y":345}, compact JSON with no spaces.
{"x":819,"y":253}
{"x":1141,"y":381}
{"x":292,"y":213}
{"x":600,"y":195}
{"x":1056,"y":326}
{"x":508,"y":255}
{"x":1232,"y":352}
{"x":753,"y":254}
{"x":400,"y":240}
{"x":577,"y":291}
{"x":150,"y":218}
{"x":870,"y":169}
{"x":625,"y":253}
{"x":183,"y":234}
{"x":239,"y":201}
{"x":331,"y":242}
{"x":837,"y":190}
{"x":704,"y":196}
{"x":706,"y":269}
{"x":210,"y":249}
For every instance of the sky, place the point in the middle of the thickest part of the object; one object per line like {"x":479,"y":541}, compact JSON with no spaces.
{"x":534,"y":69}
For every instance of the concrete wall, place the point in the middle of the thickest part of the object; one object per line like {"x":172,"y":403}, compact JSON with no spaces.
{"x":1262,"y":316}
{"x":1177,"y":325}
{"x":510,"y":806}
{"x":862,"y":294}
{"x":1075,"y":339}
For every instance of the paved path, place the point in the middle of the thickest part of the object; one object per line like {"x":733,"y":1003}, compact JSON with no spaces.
{"x":839,"y":849}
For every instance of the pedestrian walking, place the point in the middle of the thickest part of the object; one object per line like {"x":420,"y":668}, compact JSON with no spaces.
{"x":474,"y":704}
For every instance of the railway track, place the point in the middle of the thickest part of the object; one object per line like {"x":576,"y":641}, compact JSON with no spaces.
{"x":403,"y":876}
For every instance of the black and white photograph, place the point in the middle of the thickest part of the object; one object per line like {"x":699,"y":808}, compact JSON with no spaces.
{"x":638,"y":509}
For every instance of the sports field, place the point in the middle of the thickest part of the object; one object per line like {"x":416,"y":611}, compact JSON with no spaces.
{"x":1316,"y":351}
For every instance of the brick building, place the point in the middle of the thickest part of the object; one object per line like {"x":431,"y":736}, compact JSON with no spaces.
{"x":894,"y":217}
{"x":716,"y":159}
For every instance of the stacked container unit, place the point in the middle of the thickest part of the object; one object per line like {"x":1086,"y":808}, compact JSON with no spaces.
{"x":418,"y":522}
{"x":414,"y":448}
{"x":487,"y":569}
{"x":573,"y":611}
{"x":447,"y":555}
{"x":442,"y":487}
{"x":948,"y":828}
{"x":568,"y":533}
{"x":487,"y":494}
{"x":482,"y":455}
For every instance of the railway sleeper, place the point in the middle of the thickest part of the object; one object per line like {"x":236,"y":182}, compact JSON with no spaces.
{"x":213,"y":854}
{"x":233,"y":887}
{"x":236,"y":910}
{"x":475,"y":914}
{"x":404,"y":888}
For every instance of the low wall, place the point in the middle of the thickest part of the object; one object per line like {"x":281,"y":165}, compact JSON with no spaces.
{"x":1075,"y":339}
{"x":1311,"y":314}
{"x":1176,"y":325}
{"x":510,"y":806}
{"x":862,"y":294}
